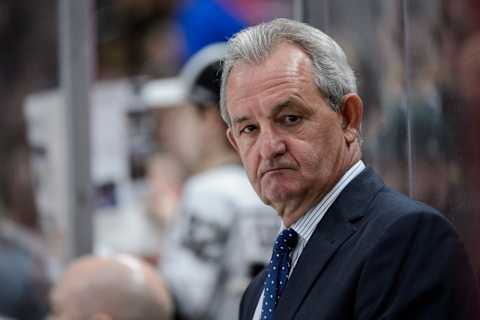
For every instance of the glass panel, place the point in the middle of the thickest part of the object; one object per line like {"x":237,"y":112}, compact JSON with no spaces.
{"x":443,"y":99}
{"x":371,"y":34}
{"x":417,"y":65}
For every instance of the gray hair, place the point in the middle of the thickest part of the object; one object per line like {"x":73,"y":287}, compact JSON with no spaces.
{"x":332,"y":74}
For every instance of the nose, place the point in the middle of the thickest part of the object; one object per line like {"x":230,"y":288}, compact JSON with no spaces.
{"x":272,"y":145}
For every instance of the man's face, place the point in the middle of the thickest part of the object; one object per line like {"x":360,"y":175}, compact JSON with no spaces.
{"x":290,"y":141}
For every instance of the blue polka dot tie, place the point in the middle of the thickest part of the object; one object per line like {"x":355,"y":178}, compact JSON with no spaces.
{"x":278,"y":270}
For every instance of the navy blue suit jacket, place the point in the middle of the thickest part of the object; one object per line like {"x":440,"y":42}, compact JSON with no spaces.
{"x":376,"y":254}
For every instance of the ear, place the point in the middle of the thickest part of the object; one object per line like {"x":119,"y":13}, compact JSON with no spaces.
{"x":231,"y":139}
{"x":352,"y":115}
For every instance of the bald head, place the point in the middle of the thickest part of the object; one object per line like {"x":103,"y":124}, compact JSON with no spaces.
{"x":119,"y":288}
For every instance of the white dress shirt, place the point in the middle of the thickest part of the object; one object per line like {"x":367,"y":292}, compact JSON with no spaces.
{"x":307,"y":224}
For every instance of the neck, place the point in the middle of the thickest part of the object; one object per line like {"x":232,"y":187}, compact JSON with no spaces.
{"x":292,"y":211}
{"x":290,"y":215}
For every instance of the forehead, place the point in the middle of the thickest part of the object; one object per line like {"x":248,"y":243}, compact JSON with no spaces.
{"x":286,"y":72}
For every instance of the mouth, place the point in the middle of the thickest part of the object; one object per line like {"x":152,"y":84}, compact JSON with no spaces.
{"x":273,"y":170}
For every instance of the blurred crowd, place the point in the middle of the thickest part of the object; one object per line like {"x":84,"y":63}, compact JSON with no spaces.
{"x":418,"y":65}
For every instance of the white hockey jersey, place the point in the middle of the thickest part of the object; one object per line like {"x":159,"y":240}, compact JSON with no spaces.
{"x":223,"y":237}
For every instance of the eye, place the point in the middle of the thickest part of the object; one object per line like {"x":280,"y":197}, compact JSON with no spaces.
{"x":291,"y":119}
{"x":248,"y":129}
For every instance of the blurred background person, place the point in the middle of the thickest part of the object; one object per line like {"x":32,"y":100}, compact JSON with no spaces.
{"x":167,"y":171}
{"x":23,"y":257}
{"x":222,"y":232}
{"x":110,"y":288}
{"x":23,"y":277}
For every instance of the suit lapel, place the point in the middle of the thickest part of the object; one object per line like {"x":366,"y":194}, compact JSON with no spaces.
{"x":333,"y":230}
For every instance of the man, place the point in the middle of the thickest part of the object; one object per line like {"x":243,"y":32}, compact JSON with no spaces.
{"x":208,"y":263}
{"x":101,"y":288}
{"x":351,"y":248}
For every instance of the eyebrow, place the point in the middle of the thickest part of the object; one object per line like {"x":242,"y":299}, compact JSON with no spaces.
{"x":282,"y":105}
{"x":240,"y":119}
{"x":277,"y":109}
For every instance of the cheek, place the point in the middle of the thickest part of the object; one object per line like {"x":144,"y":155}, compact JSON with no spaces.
{"x":306,"y":153}
{"x":315,"y":156}
{"x":250,"y":166}
{"x":250,"y":162}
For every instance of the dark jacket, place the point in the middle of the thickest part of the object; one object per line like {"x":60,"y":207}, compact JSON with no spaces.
{"x":377,"y":254}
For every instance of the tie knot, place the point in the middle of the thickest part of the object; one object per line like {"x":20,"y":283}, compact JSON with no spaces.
{"x":286,"y":241}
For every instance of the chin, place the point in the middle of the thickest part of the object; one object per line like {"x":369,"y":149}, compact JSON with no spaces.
{"x":280,"y":194}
